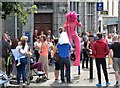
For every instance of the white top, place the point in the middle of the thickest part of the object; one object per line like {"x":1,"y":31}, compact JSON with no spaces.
{"x":16,"y":52}
{"x":63,"y":39}
{"x":36,"y":43}
{"x":26,"y":48}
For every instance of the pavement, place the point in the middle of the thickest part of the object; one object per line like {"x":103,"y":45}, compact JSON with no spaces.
{"x":77,"y":81}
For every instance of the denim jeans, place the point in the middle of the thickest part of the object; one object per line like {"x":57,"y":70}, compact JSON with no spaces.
{"x":21,"y":70}
{"x":65,"y":62}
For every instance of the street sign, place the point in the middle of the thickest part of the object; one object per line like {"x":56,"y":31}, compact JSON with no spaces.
{"x":27,"y":33}
{"x":99,"y":6}
{"x":104,"y":13}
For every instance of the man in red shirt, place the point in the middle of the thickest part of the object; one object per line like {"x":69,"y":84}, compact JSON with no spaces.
{"x":100,"y":50}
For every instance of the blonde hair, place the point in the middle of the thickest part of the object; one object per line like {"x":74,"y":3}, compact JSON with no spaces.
{"x":24,"y":38}
{"x":115,"y":38}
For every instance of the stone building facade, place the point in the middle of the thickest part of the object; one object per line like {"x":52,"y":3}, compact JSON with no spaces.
{"x":51,"y":16}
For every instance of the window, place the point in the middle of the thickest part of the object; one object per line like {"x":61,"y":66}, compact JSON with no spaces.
{"x":73,"y":6}
{"x":112,"y":7}
{"x":44,"y":5}
{"x":70,"y":6}
{"x":77,"y":7}
{"x":107,"y":4}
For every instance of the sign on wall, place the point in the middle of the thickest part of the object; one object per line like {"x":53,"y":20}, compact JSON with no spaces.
{"x":27,"y":33}
{"x":99,"y":6}
{"x":104,"y":13}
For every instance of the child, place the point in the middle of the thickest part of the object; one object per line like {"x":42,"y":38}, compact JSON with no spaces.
{"x":18,"y":48}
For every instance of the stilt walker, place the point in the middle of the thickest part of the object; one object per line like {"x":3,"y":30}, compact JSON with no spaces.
{"x":70,"y":26}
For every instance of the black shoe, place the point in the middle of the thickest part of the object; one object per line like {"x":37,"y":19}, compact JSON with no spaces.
{"x":83,"y":67}
{"x":117,"y":84}
{"x":69,"y":82}
{"x":63,"y":81}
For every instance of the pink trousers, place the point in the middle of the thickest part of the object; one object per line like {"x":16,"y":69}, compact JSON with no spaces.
{"x":77,"y":49}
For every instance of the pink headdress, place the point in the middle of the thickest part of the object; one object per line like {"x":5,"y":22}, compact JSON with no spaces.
{"x":71,"y":16}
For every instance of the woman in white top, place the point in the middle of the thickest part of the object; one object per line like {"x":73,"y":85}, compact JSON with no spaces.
{"x":23,"y":60}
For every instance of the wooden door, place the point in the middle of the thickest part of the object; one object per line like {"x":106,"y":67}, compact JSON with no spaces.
{"x":43,"y":22}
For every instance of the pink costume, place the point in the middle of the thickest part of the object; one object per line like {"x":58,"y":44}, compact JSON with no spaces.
{"x":70,"y":26}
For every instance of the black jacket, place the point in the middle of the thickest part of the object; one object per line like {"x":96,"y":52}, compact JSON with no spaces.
{"x":6,"y":48}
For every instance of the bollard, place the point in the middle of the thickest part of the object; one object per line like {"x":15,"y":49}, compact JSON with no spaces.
{"x":91,"y":68}
{"x":28,"y":70}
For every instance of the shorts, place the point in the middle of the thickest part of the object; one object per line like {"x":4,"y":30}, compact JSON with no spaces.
{"x":57,"y":66}
{"x":116,"y":64}
{"x":44,"y":60}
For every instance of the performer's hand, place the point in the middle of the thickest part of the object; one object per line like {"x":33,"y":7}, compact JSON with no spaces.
{"x":80,"y":24}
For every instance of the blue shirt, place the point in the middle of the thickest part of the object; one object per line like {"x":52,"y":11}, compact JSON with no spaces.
{"x":63,"y":50}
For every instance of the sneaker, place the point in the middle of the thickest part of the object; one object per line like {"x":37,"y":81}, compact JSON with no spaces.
{"x":107,"y":83}
{"x":99,"y":85}
{"x":117,"y":84}
{"x":18,"y":64}
{"x":41,"y":72}
{"x":24,"y":84}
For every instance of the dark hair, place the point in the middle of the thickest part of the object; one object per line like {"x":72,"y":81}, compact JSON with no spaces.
{"x":55,"y":41}
{"x":91,"y":35}
{"x":14,"y":43}
{"x":60,"y":29}
{"x":99,"y":35}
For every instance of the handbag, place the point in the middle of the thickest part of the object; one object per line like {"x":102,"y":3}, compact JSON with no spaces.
{"x":56,"y":58}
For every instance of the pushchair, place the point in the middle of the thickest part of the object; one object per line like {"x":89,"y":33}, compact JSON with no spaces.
{"x":40,"y":73}
{"x":3,"y":79}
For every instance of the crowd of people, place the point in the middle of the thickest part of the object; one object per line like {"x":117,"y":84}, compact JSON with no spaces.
{"x":47,"y":48}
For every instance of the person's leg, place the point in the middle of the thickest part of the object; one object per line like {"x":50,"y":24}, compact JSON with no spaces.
{"x":91,"y":68}
{"x":67,"y":64}
{"x":56,"y":72}
{"x":37,"y":56}
{"x":104,"y":69}
{"x":18,"y":62}
{"x":116,"y":68}
{"x":18,"y":73}
{"x":83,"y":60}
{"x":3,"y":65}
{"x":116,"y":75}
{"x":78,"y":70}
{"x":14,"y":71}
{"x":77,"y":50}
{"x":98,"y":69}
{"x":84,"y":57}
{"x":87,"y":58}
{"x":62,"y":69}
{"x":37,"y":65}
{"x":23,"y":66}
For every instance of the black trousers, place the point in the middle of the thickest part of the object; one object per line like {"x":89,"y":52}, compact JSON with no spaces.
{"x":65,"y":62}
{"x":101,"y":62}
{"x":86,"y":58}
{"x":91,"y":67}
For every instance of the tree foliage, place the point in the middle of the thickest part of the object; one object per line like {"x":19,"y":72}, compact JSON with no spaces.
{"x":17,"y":8}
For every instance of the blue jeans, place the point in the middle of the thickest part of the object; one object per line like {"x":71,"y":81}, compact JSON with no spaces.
{"x":21,"y":70}
{"x":65,"y":62}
